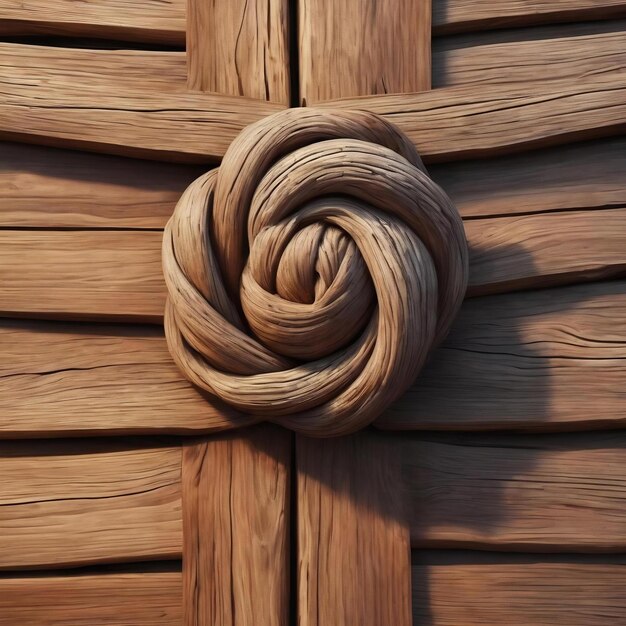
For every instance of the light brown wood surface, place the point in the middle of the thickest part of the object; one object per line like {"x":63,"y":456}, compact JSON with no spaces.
{"x":236,"y":508}
{"x":115,"y":599}
{"x":537,"y":182}
{"x":353,"y":537}
{"x":239,"y":48}
{"x":470,"y":15}
{"x":469,"y":589}
{"x":155,"y":22}
{"x":541,"y":493}
{"x":357,"y":48}
{"x":560,"y":55}
{"x":72,"y":379}
{"x":77,"y":503}
{"x":482,"y":120}
{"x":545,"y":360}
{"x":117,"y":272}
{"x":50,"y":188}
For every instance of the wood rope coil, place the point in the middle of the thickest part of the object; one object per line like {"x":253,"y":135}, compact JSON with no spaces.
{"x":311,"y":274}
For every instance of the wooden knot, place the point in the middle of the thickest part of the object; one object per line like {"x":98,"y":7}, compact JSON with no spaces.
{"x":311,"y":274}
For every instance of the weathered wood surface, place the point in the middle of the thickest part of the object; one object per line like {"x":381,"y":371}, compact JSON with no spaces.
{"x":548,"y":493}
{"x":76,"y":503}
{"x":454,"y":16}
{"x":236,"y":507}
{"x":82,"y":274}
{"x":482,"y":120}
{"x":585,"y":175}
{"x":131,"y":121}
{"x":559,"y":55}
{"x":115,"y":599}
{"x":469,"y":589}
{"x":72,"y":379}
{"x":356,"y":47}
{"x":511,"y":253}
{"x":145,"y":71}
{"x":50,"y":188}
{"x":239,"y":48}
{"x":353,"y":537}
{"x":545,"y":360}
{"x":160,"y":22}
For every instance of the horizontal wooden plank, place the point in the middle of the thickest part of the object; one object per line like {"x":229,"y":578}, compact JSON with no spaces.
{"x":518,"y":591}
{"x":527,"y":251}
{"x":530,"y":56}
{"x":541,"y":493}
{"x":115,"y":599}
{"x":544,"y":360}
{"x":482,"y":120}
{"x":53,"y":107}
{"x":93,"y":70}
{"x":454,"y":16}
{"x":50,"y":188}
{"x":144,"y":21}
{"x":72,"y":379}
{"x":82,"y":274}
{"x":80,"y":502}
{"x":577,"y":176}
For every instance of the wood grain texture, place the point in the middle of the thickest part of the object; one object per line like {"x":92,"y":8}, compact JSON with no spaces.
{"x":454,"y":16}
{"x":52,"y":107}
{"x":483,"y":120}
{"x":511,"y":253}
{"x":50,"y":188}
{"x":532,"y":56}
{"x":548,"y":493}
{"x":115,"y":599}
{"x":236,"y":529}
{"x":545,"y":360}
{"x":145,"y":21}
{"x":585,"y":175}
{"x":239,"y":48}
{"x":145,"y":71}
{"x":76,"y":503}
{"x":353,"y":537}
{"x":82,"y":274}
{"x":60,"y":379}
{"x":359,"y":48}
{"x":543,"y":591}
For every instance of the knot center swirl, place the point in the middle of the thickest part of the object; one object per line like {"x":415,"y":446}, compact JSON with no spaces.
{"x":311,"y":274}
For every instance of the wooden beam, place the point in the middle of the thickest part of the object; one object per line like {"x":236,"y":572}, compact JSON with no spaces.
{"x":53,"y":108}
{"x":586,"y":175}
{"x":236,"y":529}
{"x":560,"y":55}
{"x":239,"y":48}
{"x":77,"y":503}
{"x":144,"y":21}
{"x":468,"y":589}
{"x":353,"y":537}
{"x":79,"y":379}
{"x":49,"y":188}
{"x":115,"y":599}
{"x":485,"y":120}
{"x":359,"y":48}
{"x":455,"y":16}
{"x":544,"y":360}
{"x":548,"y":493}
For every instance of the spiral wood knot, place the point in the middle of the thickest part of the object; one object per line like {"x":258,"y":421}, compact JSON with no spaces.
{"x":311,"y":274}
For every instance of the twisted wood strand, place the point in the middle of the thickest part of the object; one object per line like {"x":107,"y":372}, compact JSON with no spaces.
{"x":311,"y":274}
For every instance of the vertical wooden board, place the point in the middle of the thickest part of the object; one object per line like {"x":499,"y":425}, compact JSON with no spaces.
{"x":239,"y":48}
{"x":353,"y":536}
{"x":236,"y":529}
{"x":359,"y":48}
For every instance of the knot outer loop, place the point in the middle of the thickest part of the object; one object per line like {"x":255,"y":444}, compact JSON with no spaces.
{"x":310,"y":276}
